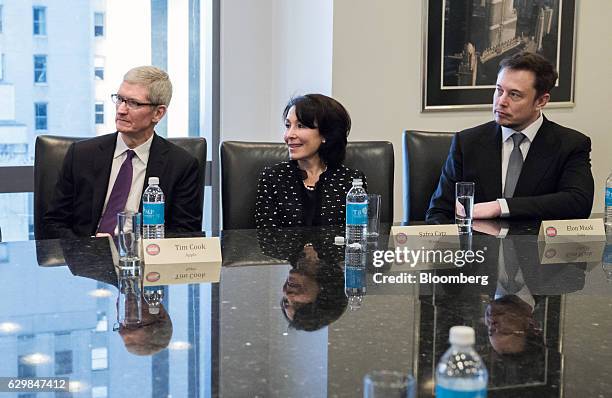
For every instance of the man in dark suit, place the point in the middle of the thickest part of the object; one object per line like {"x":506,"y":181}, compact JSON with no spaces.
{"x":108,"y":174}
{"x":523,"y":165}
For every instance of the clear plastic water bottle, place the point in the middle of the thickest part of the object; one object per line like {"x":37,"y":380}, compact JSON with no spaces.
{"x":153,"y":211}
{"x":355,"y":285}
{"x":461,"y":372}
{"x":357,"y":214}
{"x":608,"y":208}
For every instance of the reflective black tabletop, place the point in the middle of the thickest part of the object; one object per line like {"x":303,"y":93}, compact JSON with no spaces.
{"x":279,"y":322}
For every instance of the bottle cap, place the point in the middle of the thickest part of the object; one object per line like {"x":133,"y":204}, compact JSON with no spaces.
{"x":462,"y":335}
{"x":153,"y":180}
{"x":357,"y":181}
{"x":339,"y":240}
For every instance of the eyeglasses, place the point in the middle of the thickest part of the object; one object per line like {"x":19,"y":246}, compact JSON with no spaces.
{"x":130,"y":103}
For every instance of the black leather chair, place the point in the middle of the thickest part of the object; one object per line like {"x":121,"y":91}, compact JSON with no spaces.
{"x":49,"y":157}
{"x":424,"y":155}
{"x":242,"y":163}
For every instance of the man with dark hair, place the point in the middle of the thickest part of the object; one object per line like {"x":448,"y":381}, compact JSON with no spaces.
{"x":523,"y":165}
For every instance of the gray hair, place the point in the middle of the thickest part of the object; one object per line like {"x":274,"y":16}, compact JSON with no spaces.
{"x":155,"y":80}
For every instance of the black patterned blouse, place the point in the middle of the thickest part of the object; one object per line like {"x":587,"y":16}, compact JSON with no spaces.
{"x":280,"y":195}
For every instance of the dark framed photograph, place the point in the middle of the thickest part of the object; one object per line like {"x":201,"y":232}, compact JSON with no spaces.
{"x":466,"y":39}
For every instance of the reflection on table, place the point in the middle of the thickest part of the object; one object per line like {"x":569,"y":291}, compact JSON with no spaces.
{"x":278,"y":323}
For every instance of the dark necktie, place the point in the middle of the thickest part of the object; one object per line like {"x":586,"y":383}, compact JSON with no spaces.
{"x":511,"y":266}
{"x":118,"y":197}
{"x":515,"y":164}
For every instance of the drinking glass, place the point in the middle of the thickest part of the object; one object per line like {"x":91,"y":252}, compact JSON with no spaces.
{"x":373,"y":215}
{"x":129,"y":238}
{"x":464,"y":206}
{"x":388,"y":384}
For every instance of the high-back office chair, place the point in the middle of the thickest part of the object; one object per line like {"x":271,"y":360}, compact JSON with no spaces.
{"x":242,"y":163}
{"x":49,"y":157}
{"x":424,"y":155}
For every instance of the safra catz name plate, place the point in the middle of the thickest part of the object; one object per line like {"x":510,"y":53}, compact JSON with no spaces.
{"x":181,"y":260}
{"x":584,"y":230}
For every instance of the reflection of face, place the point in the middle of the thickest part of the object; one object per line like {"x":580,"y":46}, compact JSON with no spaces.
{"x":299,"y":289}
{"x":151,"y":336}
{"x":303,"y":142}
{"x":139,"y":121}
{"x":514,"y":101}
{"x":507,"y":325}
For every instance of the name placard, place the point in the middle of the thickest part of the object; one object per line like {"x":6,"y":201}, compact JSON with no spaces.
{"x":570,"y":252}
{"x":181,"y":260}
{"x":583,"y":230}
{"x":426,"y":231}
{"x":422,"y":247}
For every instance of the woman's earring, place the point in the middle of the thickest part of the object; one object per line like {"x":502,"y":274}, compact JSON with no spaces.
{"x":323,"y":141}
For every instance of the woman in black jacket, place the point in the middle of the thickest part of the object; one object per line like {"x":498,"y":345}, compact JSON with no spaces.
{"x":310,"y":188}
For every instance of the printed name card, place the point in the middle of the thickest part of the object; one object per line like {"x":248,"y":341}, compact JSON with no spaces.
{"x":425,"y":243}
{"x":426,"y":231}
{"x":181,"y":260}
{"x":585,"y":230}
{"x":570,"y":252}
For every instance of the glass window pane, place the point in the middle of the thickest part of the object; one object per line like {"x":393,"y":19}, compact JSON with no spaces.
{"x":98,"y":24}
{"x":99,"y":73}
{"x":40,"y":69}
{"x":40,"y":114}
{"x":99,"y":112}
{"x":39,"y":21}
{"x":99,"y":358}
{"x":63,"y":362}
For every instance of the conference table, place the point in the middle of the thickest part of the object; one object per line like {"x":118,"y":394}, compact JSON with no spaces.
{"x":278,"y":323}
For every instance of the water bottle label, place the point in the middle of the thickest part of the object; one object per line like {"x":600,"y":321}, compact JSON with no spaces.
{"x":608,"y":196}
{"x":357,"y":214}
{"x":153,"y":213}
{"x":354,"y":278}
{"x":443,"y":392}
{"x":607,"y":257}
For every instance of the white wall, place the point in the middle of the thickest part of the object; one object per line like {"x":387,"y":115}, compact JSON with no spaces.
{"x":377,"y":62}
{"x":271,"y":50}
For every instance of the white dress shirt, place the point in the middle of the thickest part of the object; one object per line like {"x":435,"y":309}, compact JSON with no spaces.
{"x":139,"y":169}
{"x":507,"y":147}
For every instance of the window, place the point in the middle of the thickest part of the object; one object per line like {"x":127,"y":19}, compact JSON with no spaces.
{"x":99,"y":72}
{"x":25,"y":369}
{"x":98,"y":24}
{"x":40,"y":69}
{"x":99,"y":68}
{"x":63,"y":362}
{"x":99,"y":112}
{"x":99,"y":358}
{"x":102,"y":325}
{"x":40,"y":115}
{"x":1,"y":65}
{"x":40,"y":21}
{"x":99,"y":392}
{"x":0,"y":18}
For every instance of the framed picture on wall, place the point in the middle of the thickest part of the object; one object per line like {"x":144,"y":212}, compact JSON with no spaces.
{"x":466,"y":39}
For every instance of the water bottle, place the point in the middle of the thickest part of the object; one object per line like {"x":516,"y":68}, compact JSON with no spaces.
{"x":461,"y":372}
{"x":608,"y":208}
{"x":606,"y":260}
{"x":357,"y":214}
{"x":355,"y":285}
{"x":153,"y":211}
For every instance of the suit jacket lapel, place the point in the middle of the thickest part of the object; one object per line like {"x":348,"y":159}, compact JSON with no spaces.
{"x":156,"y":164}
{"x":542,"y":149}
{"x":102,"y":163}
{"x":490,"y":177}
